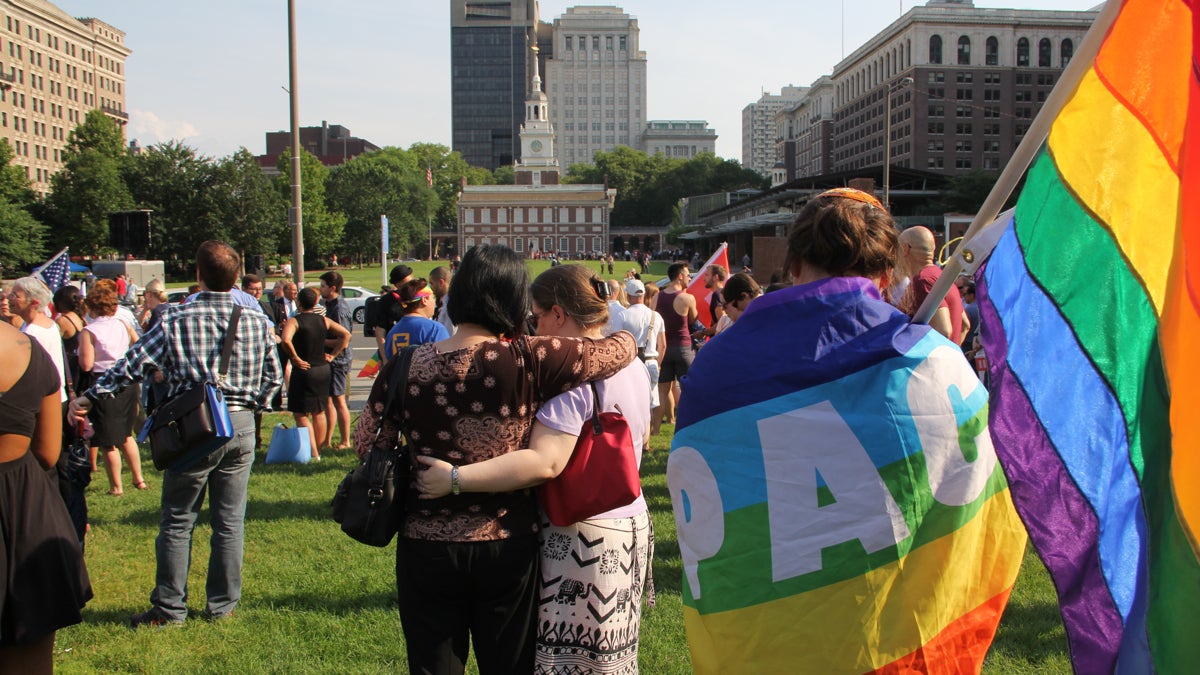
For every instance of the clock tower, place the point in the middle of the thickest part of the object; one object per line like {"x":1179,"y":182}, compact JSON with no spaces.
{"x":538,"y":165}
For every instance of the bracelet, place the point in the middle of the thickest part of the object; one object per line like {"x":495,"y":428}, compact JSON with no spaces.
{"x":455,"y":488}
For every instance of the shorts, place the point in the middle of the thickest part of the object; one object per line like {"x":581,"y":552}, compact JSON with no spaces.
{"x":652,"y":368}
{"x":338,"y":377}
{"x":676,"y":361}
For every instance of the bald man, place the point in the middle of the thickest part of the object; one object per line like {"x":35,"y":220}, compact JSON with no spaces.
{"x":916,"y":262}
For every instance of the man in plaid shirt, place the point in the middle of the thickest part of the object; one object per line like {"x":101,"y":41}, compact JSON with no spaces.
{"x":186,"y":347}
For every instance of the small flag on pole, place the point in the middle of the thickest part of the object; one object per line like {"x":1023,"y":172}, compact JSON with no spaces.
{"x":372,"y":367}
{"x":428,"y":174}
{"x":56,"y":272}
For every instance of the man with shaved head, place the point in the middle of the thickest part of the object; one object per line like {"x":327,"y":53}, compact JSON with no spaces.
{"x":916,"y":262}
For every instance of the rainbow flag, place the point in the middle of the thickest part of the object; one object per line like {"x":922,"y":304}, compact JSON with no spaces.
{"x":371,"y":368}
{"x":1090,"y":307}
{"x":837,"y":498}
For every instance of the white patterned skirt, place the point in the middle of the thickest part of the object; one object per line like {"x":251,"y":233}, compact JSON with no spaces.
{"x":594,"y":576}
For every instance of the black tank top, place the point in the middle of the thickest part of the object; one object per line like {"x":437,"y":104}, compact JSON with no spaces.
{"x":20,"y":404}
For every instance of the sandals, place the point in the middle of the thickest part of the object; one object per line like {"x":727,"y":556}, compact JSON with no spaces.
{"x":141,"y":485}
{"x":115,"y":492}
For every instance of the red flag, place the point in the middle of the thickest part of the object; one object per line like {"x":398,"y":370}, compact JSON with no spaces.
{"x":704,"y":295}
{"x":429,"y":175}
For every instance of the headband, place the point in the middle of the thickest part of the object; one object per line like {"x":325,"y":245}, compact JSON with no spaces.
{"x":856,"y":195}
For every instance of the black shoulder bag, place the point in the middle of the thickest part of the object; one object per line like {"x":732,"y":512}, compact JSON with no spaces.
{"x":194,"y":423}
{"x":369,"y":502}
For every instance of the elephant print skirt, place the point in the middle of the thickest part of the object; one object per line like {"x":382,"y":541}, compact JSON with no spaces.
{"x":594,"y":576}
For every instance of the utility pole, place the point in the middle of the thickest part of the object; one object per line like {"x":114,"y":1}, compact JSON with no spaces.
{"x":293,"y":93}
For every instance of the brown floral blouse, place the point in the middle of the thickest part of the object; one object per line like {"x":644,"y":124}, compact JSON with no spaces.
{"x":473,"y":404}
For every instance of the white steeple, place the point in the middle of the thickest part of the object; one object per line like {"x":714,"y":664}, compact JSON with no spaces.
{"x":537,"y":135}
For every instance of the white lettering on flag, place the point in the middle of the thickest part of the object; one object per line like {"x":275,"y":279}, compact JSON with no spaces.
{"x":702,"y":528}
{"x":798,"y":444}
{"x":954,"y":480}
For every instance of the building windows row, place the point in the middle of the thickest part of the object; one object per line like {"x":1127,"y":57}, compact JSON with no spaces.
{"x":1066,"y":50}
{"x":571,"y":41}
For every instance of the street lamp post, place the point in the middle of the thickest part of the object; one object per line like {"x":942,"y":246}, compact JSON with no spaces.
{"x":892,"y":88}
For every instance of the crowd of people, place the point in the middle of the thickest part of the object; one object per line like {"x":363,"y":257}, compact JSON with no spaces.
{"x":497,"y":393}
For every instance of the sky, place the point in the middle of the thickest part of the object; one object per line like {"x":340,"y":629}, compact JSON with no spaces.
{"x":214,"y":74}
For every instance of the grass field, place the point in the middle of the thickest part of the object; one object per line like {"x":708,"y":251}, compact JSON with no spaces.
{"x":316,"y":601}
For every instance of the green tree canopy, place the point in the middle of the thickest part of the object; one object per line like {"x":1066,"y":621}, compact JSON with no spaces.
{"x":322,"y":227}
{"x":388,"y":182}
{"x":22,"y":237}
{"x":90,"y":185}
{"x":649,"y":186}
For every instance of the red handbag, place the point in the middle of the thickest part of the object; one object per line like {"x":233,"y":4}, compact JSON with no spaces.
{"x":601,"y":475}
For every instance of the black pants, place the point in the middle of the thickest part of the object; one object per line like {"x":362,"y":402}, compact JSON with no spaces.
{"x":455,"y":593}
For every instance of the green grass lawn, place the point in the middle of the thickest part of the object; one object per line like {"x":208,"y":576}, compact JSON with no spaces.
{"x":316,"y":601}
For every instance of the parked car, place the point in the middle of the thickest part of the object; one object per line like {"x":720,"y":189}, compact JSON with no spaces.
{"x":355,"y":298}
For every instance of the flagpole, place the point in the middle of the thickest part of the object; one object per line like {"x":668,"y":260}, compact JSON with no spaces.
{"x":1038,"y":131}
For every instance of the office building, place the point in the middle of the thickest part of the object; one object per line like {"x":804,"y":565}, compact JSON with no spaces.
{"x":804,"y":134}
{"x":490,"y":69}
{"x":964,"y":83}
{"x":333,"y":144}
{"x":682,"y":139}
{"x":596,"y":82}
{"x":54,"y":68}
{"x":537,"y":216}
{"x":758,"y":128}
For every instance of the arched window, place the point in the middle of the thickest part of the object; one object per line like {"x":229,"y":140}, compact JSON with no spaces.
{"x":1044,"y":50}
{"x":991,"y":53}
{"x":935,"y":49}
{"x":907,"y":53}
{"x":1023,"y":52}
{"x":964,"y":51}
{"x":1067,"y":51}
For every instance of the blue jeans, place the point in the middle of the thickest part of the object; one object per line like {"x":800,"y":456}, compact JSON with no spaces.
{"x":225,"y":474}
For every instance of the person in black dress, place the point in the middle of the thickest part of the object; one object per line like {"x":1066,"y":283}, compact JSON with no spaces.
{"x":304,"y":342}
{"x":43,"y":581}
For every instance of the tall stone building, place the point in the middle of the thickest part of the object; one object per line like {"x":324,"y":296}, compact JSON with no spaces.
{"x":54,"y":68}
{"x":538,"y":215}
{"x":758,"y":128}
{"x":679,"y":139}
{"x":596,"y":82}
{"x":489,"y":69}
{"x":964,"y":84}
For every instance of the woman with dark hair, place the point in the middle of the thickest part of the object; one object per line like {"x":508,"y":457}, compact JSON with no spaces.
{"x":466,"y":564}
{"x":303,"y":340}
{"x":739,"y":290}
{"x":567,"y":303}
{"x":102,"y":343}
{"x":68,"y":303}
{"x":43,"y":581}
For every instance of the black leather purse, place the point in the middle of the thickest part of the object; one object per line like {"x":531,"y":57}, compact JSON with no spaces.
{"x":369,"y":502}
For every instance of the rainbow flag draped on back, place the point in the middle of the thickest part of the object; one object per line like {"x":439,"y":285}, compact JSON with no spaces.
{"x":837,"y":497}
{"x":1090,"y":307}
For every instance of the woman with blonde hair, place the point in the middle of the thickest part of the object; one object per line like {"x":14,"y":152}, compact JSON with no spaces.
{"x":575,"y":591}
{"x":103,"y":341}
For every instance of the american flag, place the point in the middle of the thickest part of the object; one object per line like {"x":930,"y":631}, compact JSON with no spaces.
{"x":56,"y":272}
{"x":429,"y":174}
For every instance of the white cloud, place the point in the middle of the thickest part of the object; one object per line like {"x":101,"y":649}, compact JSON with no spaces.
{"x":148,"y":128}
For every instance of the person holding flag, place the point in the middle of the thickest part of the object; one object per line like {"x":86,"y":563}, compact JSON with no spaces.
{"x":839,"y":506}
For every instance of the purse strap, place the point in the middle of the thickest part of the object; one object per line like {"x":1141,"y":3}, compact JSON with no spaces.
{"x":597,"y":428}
{"x":397,"y":384}
{"x":227,"y":347}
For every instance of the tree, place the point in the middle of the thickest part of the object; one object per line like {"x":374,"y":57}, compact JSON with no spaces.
{"x":650,"y":186}
{"x":173,"y":182}
{"x":89,"y":186}
{"x":22,"y":237}
{"x":385,"y":182}
{"x":322,"y":227}
{"x":248,"y":205}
